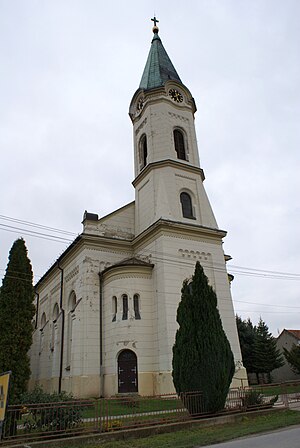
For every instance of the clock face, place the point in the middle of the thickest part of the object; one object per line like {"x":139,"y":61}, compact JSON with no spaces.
{"x":140,"y":104}
{"x":175,"y":95}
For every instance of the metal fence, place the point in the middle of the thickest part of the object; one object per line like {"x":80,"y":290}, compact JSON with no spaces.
{"x":48,"y":420}
{"x":43,"y":421}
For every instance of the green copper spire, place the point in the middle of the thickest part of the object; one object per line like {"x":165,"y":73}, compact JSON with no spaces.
{"x":158,"y":68}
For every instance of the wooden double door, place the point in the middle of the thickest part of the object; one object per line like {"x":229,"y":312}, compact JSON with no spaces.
{"x":127,"y":372}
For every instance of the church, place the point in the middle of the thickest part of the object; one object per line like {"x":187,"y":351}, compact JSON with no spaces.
{"x":106,"y":310}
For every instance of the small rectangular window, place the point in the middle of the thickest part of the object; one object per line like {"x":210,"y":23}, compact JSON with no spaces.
{"x":136,"y":306}
{"x":125,"y":307}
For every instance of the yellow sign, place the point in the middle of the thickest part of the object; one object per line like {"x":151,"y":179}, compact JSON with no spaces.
{"x":4,"y":383}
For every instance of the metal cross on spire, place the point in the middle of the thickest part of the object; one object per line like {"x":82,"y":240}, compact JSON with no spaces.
{"x":155,"y":20}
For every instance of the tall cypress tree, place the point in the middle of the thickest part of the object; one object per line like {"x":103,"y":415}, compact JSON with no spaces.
{"x":246,"y":332}
{"x":16,"y":313}
{"x":202,"y":357}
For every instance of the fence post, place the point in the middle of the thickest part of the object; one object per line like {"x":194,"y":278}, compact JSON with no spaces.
{"x":285,"y":396}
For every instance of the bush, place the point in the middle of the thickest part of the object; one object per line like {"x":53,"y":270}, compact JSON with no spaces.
{"x":56,"y":411}
{"x":254,"y":398}
{"x":112,"y":425}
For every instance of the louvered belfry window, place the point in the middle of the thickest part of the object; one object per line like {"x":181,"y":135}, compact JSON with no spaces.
{"x":179,"y":144}
{"x":143,"y":151}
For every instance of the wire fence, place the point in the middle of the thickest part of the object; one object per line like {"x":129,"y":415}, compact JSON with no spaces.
{"x":44,"y":421}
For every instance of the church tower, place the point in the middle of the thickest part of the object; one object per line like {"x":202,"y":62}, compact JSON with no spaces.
{"x":168,"y":178}
{"x":174,"y":222}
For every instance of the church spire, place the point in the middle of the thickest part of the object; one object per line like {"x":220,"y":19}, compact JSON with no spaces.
{"x":158,"y":68}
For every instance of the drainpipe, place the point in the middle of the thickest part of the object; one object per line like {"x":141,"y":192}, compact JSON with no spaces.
{"x":101,"y":331}
{"x":62,"y":327}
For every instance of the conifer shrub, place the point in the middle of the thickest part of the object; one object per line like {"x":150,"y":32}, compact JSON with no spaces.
{"x":54,"y":411}
{"x":16,"y":313}
{"x":202,"y":357}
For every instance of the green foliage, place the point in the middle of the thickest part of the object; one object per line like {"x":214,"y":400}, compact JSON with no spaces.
{"x":130,"y":402}
{"x":246,"y":332}
{"x":258,"y":347}
{"x":266,"y":355}
{"x":202,"y":357}
{"x":51,"y":415}
{"x":252,"y":397}
{"x":293,"y":357}
{"x":16,"y":314}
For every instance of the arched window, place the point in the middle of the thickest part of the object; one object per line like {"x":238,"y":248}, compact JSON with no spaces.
{"x":179,"y":144}
{"x":71,"y":306}
{"x":55,"y":314}
{"x":136,"y":306}
{"x":125,"y":307}
{"x":114,"y":308}
{"x":186,"y":205}
{"x":42,"y":334}
{"x":43,"y":321}
{"x":143,"y":151}
{"x":72,"y":301}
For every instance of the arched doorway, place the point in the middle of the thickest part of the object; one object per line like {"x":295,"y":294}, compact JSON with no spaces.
{"x":127,"y":372}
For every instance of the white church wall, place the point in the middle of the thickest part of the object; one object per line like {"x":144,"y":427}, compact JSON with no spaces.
{"x":175,"y":256}
{"x":131,"y":333}
{"x":118,"y":224}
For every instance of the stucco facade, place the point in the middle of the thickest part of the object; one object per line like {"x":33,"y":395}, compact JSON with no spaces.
{"x":106,"y":311}
{"x":286,"y":339}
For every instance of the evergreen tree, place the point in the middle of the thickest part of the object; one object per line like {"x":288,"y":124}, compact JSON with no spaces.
{"x":16,"y":313}
{"x":246,"y":332}
{"x":266,"y":355}
{"x":293,"y":357}
{"x":202,"y":357}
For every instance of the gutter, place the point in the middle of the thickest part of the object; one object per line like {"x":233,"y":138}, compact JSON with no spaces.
{"x":101,"y":331}
{"x":62,"y":328}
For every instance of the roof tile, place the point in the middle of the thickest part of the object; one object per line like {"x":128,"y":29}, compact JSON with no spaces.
{"x":158,"y":68}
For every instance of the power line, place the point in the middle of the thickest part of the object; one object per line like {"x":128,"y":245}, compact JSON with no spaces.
{"x":264,"y":270}
{"x":34,"y":224}
{"x":266,"y":304}
{"x":265,"y":311}
{"x":28,"y":232}
{"x":18,"y":272}
{"x":156,"y":255}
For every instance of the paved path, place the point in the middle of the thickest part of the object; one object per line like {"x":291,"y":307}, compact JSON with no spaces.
{"x":285,"y":438}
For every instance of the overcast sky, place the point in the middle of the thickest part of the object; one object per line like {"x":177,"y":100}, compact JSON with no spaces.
{"x":68,"y":71}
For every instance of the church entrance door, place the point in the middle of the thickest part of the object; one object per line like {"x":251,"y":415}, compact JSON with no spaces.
{"x":127,"y":372}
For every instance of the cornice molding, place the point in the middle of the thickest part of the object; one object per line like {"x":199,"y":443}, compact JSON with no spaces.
{"x":168,"y":163}
{"x":131,"y":271}
{"x":172,"y":229}
{"x":179,"y":230}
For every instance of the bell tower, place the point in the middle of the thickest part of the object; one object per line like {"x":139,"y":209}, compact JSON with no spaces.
{"x":168,"y":179}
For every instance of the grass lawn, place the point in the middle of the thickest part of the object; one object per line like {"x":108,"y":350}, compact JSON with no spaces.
{"x":205,"y":436}
{"x":122,"y":407}
{"x":277,"y":390}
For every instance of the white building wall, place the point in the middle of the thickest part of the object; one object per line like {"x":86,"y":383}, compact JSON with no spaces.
{"x":134,"y":334}
{"x":175,"y":257}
